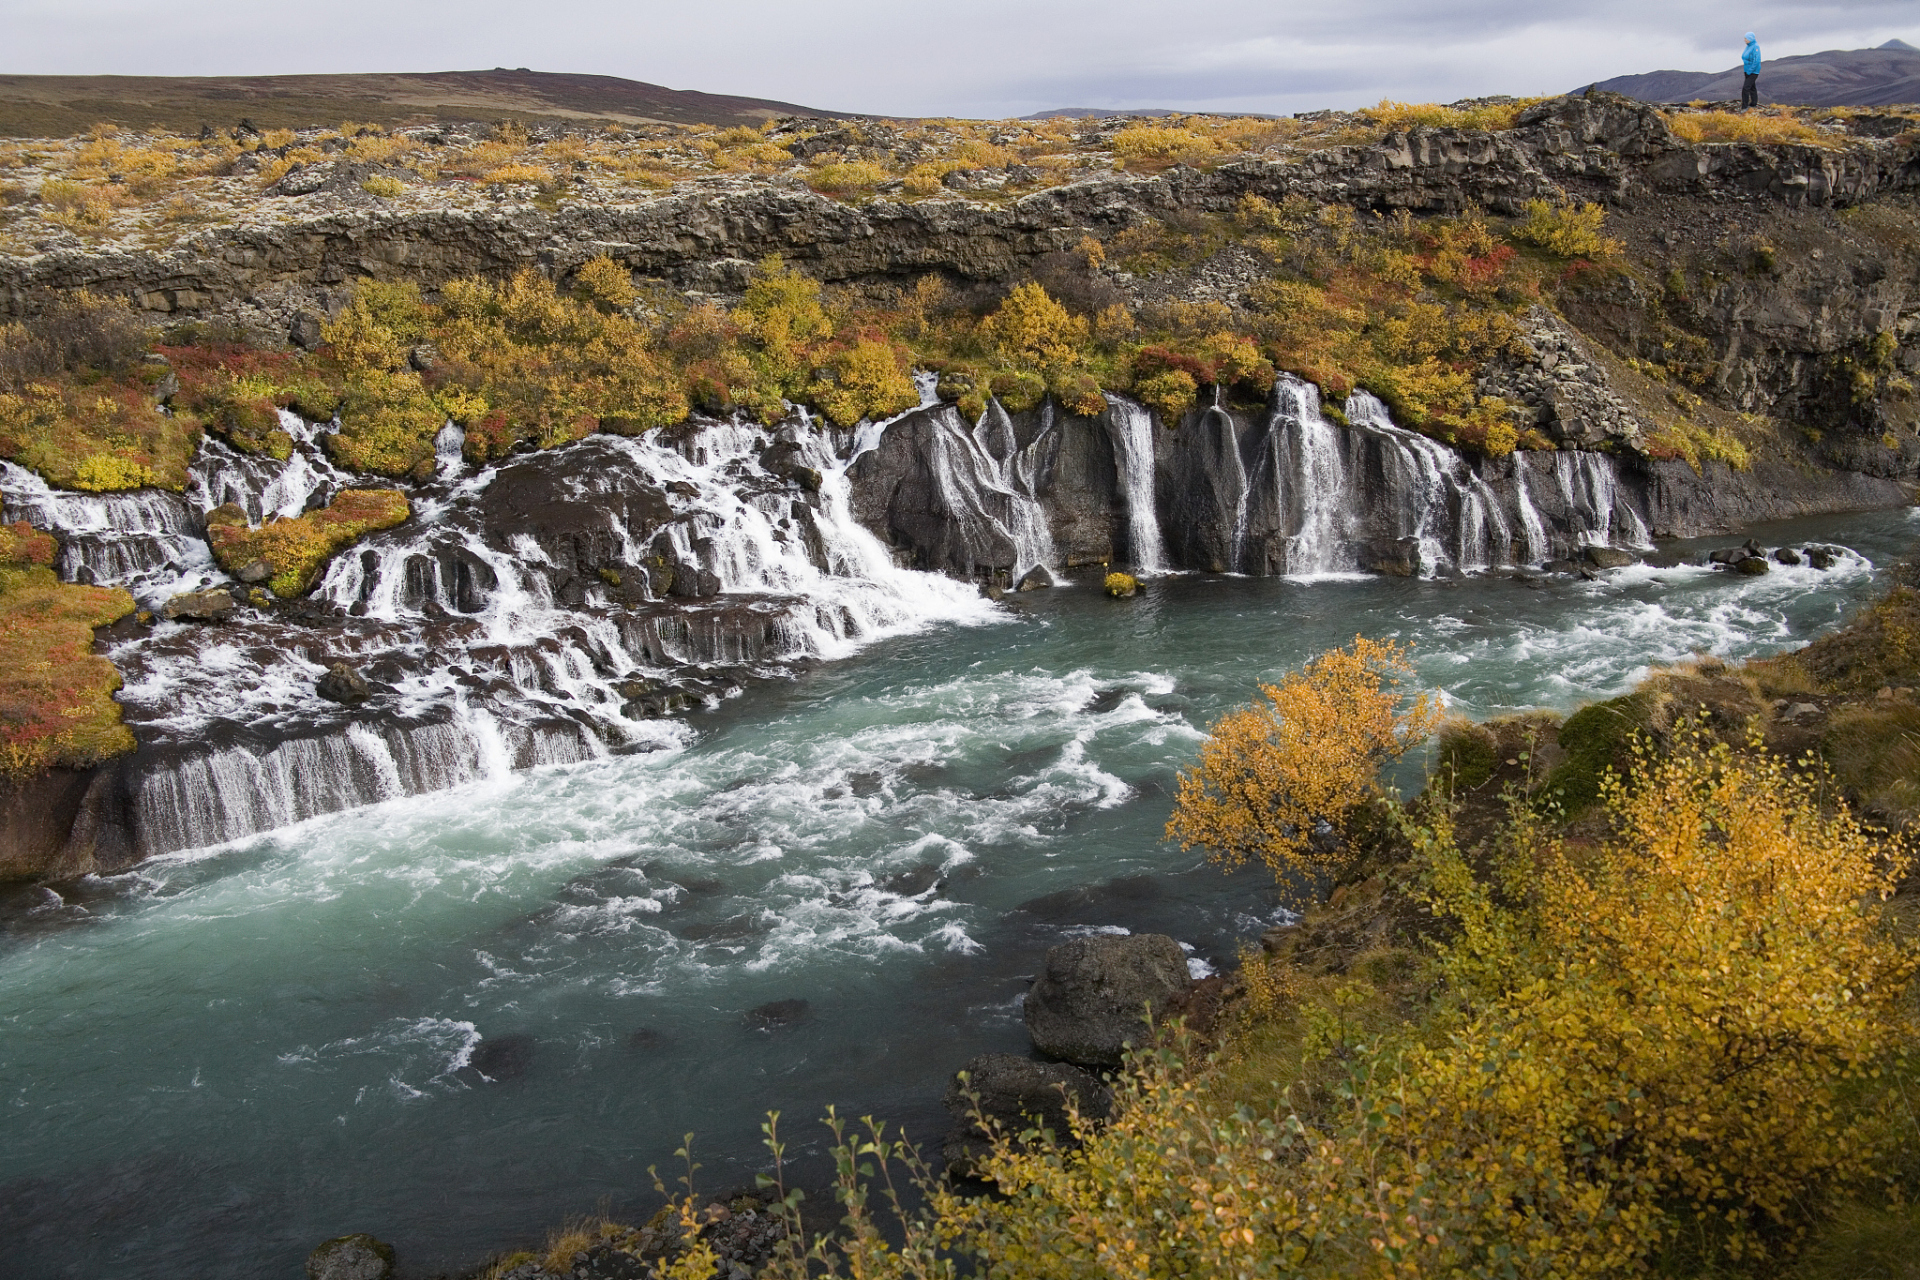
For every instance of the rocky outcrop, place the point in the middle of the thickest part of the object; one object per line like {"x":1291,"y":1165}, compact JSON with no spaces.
{"x":1016,"y":1094}
{"x":706,"y":235}
{"x":1095,"y":996}
{"x":354,"y":1257}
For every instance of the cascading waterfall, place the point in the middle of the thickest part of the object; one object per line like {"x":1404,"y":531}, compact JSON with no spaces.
{"x":986,"y":480}
{"x":493,"y":625}
{"x":1131,"y":428}
{"x":148,"y":541}
{"x":1437,"y":494}
{"x":1329,"y":500}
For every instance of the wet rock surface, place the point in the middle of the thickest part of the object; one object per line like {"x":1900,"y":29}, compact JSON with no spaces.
{"x":1017,"y":1094}
{"x":354,"y":1257}
{"x":1094,"y":996}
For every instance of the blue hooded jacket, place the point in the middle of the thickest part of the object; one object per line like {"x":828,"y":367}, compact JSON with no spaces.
{"x":1750,"y":60}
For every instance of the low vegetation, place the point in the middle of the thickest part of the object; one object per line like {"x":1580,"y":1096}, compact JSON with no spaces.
{"x":295,"y":549}
{"x":56,"y":694}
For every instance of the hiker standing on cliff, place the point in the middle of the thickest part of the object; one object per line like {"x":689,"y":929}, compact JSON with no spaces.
{"x":1750,"y":63}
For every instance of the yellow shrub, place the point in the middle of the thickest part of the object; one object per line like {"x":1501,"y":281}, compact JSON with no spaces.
{"x":849,"y":178}
{"x":870,"y":379}
{"x":1568,"y":230}
{"x":1758,"y":127}
{"x":1309,"y":754}
{"x":605,"y":283}
{"x":1031,"y":328}
{"x":520,"y":173}
{"x":383,"y":186}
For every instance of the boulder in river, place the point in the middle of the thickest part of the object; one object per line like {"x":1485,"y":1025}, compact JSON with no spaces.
{"x":199,"y":606}
{"x":1018,"y":1093}
{"x":1821,"y":557}
{"x":1787,"y":556}
{"x":355,"y":1257}
{"x":1092,"y":999}
{"x":503,"y":1057}
{"x":254,"y":572}
{"x":777,"y":1013}
{"x":1751,"y":565}
{"x":344,"y":685}
{"x":1609,"y":557}
{"x":1036,"y":578}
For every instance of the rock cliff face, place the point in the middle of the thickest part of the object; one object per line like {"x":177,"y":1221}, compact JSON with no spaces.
{"x":563,"y":604}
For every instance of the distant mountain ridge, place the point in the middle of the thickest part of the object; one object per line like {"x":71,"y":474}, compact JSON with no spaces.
{"x":57,"y":106}
{"x":1836,"y":78}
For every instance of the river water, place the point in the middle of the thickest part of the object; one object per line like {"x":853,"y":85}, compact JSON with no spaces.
{"x":212,"y":1064}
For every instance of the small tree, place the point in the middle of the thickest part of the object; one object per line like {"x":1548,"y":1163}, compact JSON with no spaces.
{"x":1272,"y":773}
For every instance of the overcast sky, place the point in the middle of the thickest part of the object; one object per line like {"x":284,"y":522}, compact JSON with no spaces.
{"x":959,"y":57}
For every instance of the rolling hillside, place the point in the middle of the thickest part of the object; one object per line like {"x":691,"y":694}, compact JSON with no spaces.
{"x":54,"y":106}
{"x":1836,"y":78}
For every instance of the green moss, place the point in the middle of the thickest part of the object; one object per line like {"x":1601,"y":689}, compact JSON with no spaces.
{"x":1467,"y":756}
{"x":297,"y":549}
{"x":1595,"y":738}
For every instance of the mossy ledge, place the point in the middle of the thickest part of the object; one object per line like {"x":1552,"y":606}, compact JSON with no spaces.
{"x":295,"y":550}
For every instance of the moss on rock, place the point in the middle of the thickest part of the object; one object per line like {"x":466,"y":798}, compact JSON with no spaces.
{"x":297,"y":549}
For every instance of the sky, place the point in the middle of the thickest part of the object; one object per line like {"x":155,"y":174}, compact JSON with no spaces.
{"x":978,"y":58}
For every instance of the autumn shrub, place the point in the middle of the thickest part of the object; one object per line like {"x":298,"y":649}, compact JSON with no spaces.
{"x":1120,"y":585}
{"x":604,"y":283}
{"x":109,"y":435}
{"x":1278,"y":780}
{"x":1567,"y":230}
{"x":81,"y":208}
{"x":1764,"y":127}
{"x":1401,"y":116}
{"x":846,"y":178}
{"x":383,"y":186}
{"x":296,"y":549}
{"x":77,"y":333}
{"x":56,"y":694}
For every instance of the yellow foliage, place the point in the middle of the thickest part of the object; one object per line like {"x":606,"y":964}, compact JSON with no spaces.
{"x":870,"y":379}
{"x":848,"y":178}
{"x":1401,"y":116}
{"x":383,"y":186}
{"x":1030,"y":328}
{"x":1759,"y":127}
{"x":1568,"y":230}
{"x":1277,"y":780}
{"x":605,"y":283}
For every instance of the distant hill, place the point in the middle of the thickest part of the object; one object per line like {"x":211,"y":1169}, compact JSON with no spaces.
{"x":1837,"y":78}
{"x":55,"y":106}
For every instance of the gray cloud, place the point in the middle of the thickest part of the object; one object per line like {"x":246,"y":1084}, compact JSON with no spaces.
{"x":962,"y":57}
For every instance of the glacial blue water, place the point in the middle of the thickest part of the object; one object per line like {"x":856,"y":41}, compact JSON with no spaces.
{"x":211,"y":1064}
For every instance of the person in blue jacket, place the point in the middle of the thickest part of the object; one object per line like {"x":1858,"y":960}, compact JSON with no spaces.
{"x":1750,"y":63}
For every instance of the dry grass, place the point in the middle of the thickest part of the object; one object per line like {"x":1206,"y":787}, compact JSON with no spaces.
{"x":1760,"y":127}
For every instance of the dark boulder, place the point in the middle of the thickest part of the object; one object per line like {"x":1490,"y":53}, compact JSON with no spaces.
{"x":499,"y":1058}
{"x":777,"y":1013}
{"x":254,"y":572}
{"x":1560,"y":566}
{"x":1018,"y":1093}
{"x":1093,"y":998}
{"x":1752,"y":566}
{"x":1609,"y":557}
{"x":1821,"y":557}
{"x":1036,"y":578}
{"x":1787,"y":556}
{"x":344,"y":685}
{"x":355,"y":1257}
{"x":199,"y":606}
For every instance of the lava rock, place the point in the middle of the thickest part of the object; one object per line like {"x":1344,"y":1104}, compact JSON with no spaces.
{"x":499,"y":1058}
{"x":199,"y":606}
{"x":1752,"y":566}
{"x":1787,"y":556}
{"x":1092,"y":999}
{"x":777,"y":1013}
{"x":254,"y":572}
{"x":1821,"y":557}
{"x":1609,"y":557}
{"x":1727,"y":555}
{"x":355,"y":1257}
{"x":305,"y":330}
{"x":1560,"y":566}
{"x":1036,"y":578}
{"x":344,"y":685}
{"x":993,"y":591}
{"x":1018,"y":1093}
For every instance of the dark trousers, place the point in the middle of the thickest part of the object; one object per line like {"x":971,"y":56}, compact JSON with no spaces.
{"x":1750,"y":91}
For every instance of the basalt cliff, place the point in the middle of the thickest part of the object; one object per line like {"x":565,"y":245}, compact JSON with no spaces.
{"x":1747,"y":355}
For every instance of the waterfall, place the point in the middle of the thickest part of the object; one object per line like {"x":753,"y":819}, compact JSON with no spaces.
{"x":147,"y":540}
{"x":1538,"y":548}
{"x":520,"y":618}
{"x":1328,"y":499}
{"x":1131,"y":428}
